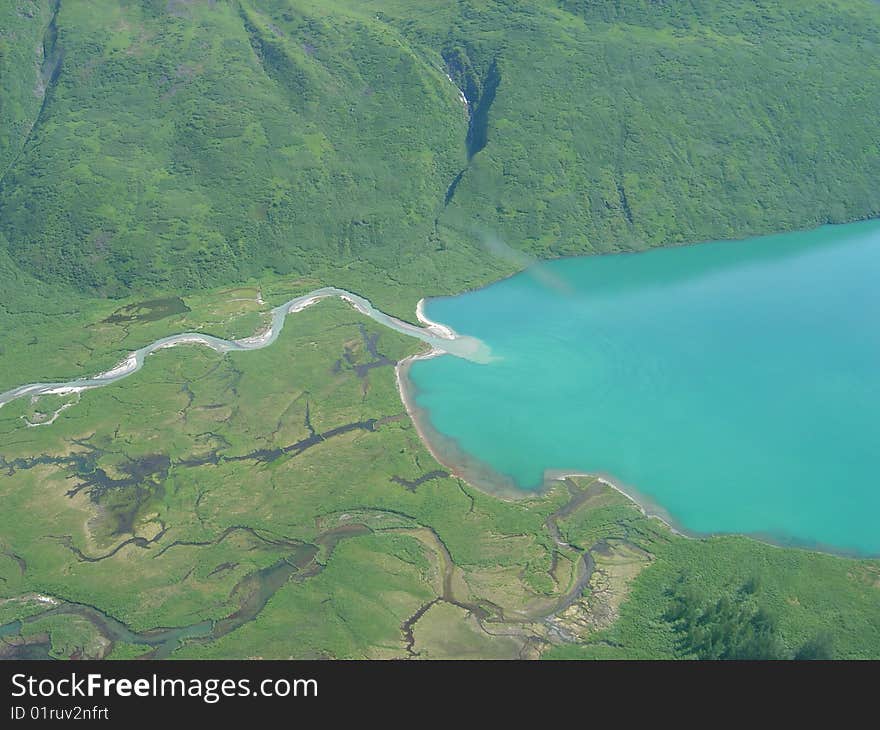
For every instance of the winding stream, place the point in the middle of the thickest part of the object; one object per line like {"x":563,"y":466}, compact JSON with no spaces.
{"x":440,"y":338}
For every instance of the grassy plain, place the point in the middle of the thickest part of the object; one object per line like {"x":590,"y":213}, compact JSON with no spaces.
{"x":262,"y":504}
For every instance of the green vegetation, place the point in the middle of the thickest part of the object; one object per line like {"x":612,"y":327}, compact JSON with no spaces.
{"x":269,"y":503}
{"x":181,"y":145}
{"x":800,"y":592}
{"x":733,"y":627}
{"x":24,"y":70}
{"x":184,"y":165}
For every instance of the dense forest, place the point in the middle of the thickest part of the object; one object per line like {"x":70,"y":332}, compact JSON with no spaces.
{"x":734,"y":626}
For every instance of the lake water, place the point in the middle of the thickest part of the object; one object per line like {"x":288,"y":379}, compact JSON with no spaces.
{"x":735,"y":385}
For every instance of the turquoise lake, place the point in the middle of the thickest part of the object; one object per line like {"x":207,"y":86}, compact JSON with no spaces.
{"x":734,"y":385}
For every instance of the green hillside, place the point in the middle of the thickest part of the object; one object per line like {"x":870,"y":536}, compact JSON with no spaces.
{"x":173,"y":166}
{"x":190,"y":144}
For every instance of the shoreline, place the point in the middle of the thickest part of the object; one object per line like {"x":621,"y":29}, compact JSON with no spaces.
{"x":476,"y":475}
{"x":456,"y":460}
{"x":502,"y":488}
{"x":653,"y":510}
{"x":644,"y":504}
{"x":484,"y":478}
{"x":496,"y":485}
{"x":440,"y":329}
{"x":498,"y":278}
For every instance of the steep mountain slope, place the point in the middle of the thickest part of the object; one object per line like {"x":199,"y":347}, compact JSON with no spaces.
{"x":183,"y":144}
{"x":26,"y":62}
{"x":156,"y":148}
{"x":187,"y":144}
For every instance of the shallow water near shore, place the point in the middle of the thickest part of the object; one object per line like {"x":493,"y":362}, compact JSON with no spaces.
{"x":736,"y":385}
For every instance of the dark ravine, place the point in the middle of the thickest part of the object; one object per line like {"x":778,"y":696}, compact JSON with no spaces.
{"x":480,"y":95}
{"x":49,"y":72}
{"x":450,"y":191}
{"x":478,"y":129}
